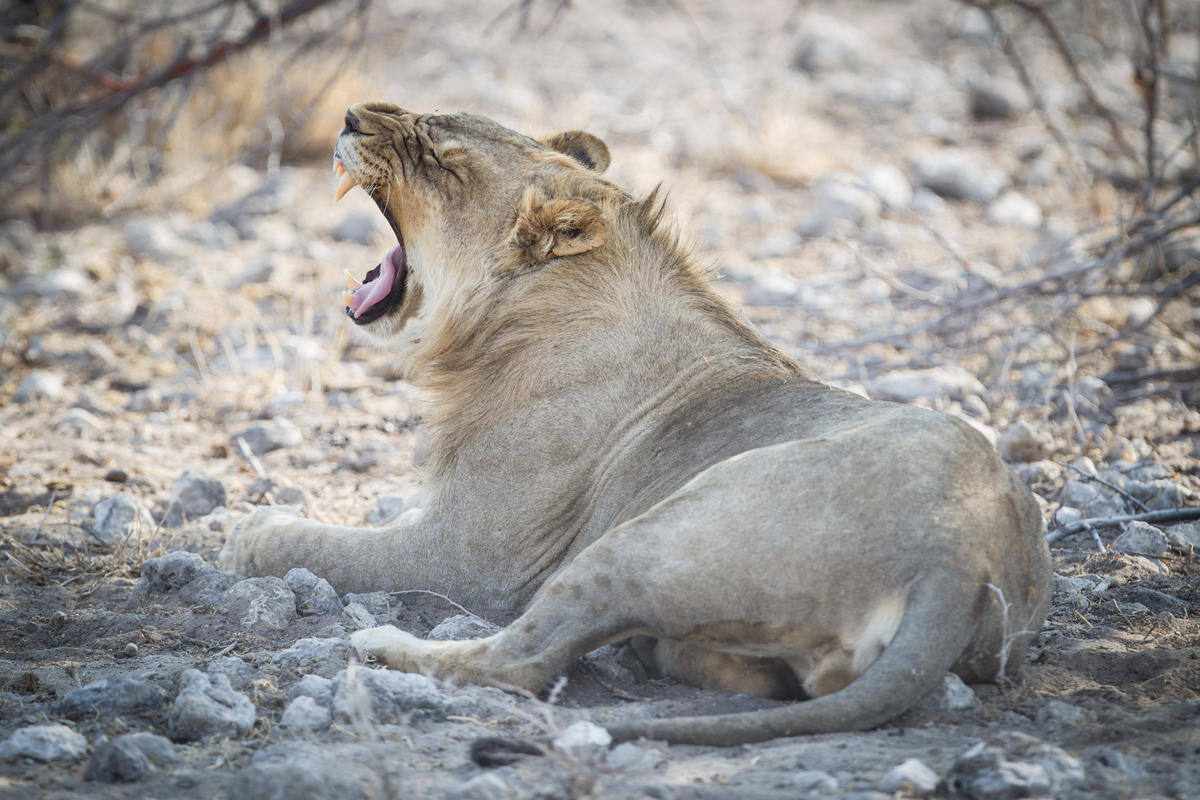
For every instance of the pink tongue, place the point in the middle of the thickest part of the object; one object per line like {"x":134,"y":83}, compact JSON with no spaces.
{"x":371,"y":293}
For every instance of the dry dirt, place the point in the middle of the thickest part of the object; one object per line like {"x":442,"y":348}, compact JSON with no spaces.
{"x":172,"y":331}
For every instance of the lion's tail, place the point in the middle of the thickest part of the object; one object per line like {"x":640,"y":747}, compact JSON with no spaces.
{"x":910,"y":667}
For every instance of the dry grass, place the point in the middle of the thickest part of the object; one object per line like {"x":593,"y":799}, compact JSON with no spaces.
{"x":61,"y":561}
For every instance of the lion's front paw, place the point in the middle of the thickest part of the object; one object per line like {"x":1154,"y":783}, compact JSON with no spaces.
{"x":387,"y":645}
{"x":250,"y":543}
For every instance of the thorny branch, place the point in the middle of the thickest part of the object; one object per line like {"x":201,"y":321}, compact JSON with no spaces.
{"x":54,"y":95}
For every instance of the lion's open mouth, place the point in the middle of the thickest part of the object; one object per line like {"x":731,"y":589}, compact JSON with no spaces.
{"x":383,"y":288}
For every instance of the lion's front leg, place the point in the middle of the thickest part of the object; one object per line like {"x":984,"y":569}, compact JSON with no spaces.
{"x":274,"y":539}
{"x":478,"y":661}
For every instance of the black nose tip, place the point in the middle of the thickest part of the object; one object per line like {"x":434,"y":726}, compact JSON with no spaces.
{"x":351,"y":122}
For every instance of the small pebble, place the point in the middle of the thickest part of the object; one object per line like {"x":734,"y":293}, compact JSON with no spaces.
{"x":129,"y":651}
{"x":58,"y":619}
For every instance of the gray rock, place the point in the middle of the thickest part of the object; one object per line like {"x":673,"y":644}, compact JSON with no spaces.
{"x":119,"y":517}
{"x":260,"y":604}
{"x":387,"y":508}
{"x":207,"y":589}
{"x":1036,"y":472}
{"x":151,"y":238}
{"x":110,"y":696}
{"x":1091,"y":498}
{"x":825,"y":44}
{"x":194,"y":495}
{"x":381,"y":605}
{"x":313,"y":595}
{"x":131,"y":757}
{"x":357,"y":617}
{"x":1020,"y":442}
{"x":357,"y":227}
{"x":461,"y":626}
{"x":272,"y":434}
{"x":1188,"y":533}
{"x":1114,"y":760}
{"x":306,"y":715}
{"x":1014,"y":210}
{"x":207,"y":705}
{"x":44,"y":743}
{"x":1160,"y":494}
{"x":314,"y":686}
{"x":239,"y":673}
{"x":1014,"y":765}
{"x":631,"y":758}
{"x":950,"y":695}
{"x":810,"y":780}
{"x":992,"y":98}
{"x":298,"y":770}
{"x":1141,"y":538}
{"x":320,"y":656}
{"x":39,"y":385}
{"x":927,"y":202}
{"x":1060,"y":714}
{"x":912,"y":777}
{"x":386,"y":696}
{"x":166,"y":573}
{"x":79,"y":421}
{"x":906,"y":385}
{"x":958,"y":175}
{"x":890,"y":185}
{"x":840,"y":197}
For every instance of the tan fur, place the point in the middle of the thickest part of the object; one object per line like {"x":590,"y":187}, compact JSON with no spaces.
{"x":615,"y":450}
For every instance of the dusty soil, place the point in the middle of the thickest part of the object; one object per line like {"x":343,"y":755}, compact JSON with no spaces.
{"x":173,"y":331}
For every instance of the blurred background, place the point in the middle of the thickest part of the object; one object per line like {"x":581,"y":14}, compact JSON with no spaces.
{"x":985,"y":206}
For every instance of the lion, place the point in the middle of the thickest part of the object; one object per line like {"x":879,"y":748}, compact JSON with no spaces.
{"x":616,"y":452}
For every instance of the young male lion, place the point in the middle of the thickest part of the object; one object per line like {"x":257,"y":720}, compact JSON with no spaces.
{"x":617,"y":451}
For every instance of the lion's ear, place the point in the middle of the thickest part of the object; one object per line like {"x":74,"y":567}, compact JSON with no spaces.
{"x":581,"y":146}
{"x":554,"y":227}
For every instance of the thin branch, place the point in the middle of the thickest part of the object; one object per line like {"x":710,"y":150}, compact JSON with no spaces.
{"x":1167,"y":515}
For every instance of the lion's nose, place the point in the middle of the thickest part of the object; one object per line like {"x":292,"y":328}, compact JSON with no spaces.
{"x":352,"y":122}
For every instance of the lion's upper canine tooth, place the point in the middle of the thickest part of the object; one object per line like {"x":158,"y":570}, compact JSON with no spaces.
{"x":339,"y":169}
{"x":352,"y":282}
{"x":344,"y":185}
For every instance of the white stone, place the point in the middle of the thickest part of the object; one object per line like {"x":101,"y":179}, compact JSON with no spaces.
{"x":1014,"y":210}
{"x":582,"y":735}
{"x":44,"y":743}
{"x":39,"y":385}
{"x":358,"y":617}
{"x":890,"y":184}
{"x":906,"y":385}
{"x":912,"y":777}
{"x":950,"y":695}
{"x":322,"y":656}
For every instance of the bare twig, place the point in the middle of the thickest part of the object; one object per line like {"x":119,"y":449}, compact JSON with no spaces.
{"x":1097,"y":479}
{"x":1166,"y":515}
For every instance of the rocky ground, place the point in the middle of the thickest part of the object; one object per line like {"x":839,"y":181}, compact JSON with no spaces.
{"x":850,"y":168}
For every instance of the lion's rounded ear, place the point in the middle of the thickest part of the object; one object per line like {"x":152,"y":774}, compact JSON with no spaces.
{"x":549,"y":228}
{"x":581,"y":146}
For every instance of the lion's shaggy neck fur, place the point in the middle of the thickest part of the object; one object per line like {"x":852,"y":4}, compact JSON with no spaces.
{"x":642,"y":311}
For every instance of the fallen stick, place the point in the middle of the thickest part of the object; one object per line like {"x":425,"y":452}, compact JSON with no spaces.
{"x":1166,"y":515}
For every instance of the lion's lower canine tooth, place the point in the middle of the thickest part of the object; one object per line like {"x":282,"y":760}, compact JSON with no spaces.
{"x":346,"y":298}
{"x":344,"y":185}
{"x":352,"y":282}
